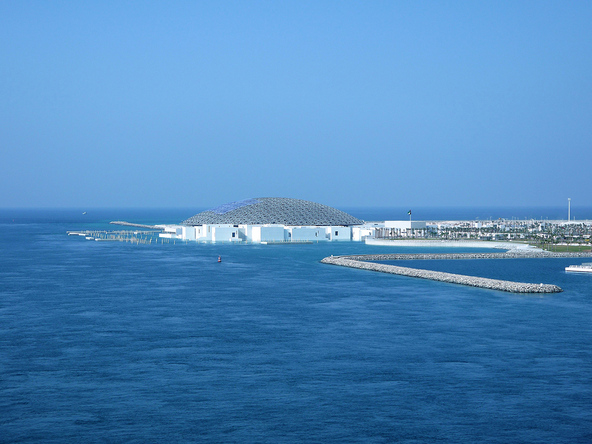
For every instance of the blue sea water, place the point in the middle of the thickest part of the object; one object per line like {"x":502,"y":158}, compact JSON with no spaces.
{"x":120,"y":342}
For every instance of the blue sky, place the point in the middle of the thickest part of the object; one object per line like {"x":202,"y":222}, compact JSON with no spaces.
{"x":193,"y":104}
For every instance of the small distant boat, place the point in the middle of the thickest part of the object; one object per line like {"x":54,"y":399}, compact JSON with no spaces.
{"x":219,"y":258}
{"x":84,"y":212}
{"x":584,"y":268}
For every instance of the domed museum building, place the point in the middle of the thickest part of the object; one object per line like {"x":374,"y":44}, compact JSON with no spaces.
{"x":268,"y":220}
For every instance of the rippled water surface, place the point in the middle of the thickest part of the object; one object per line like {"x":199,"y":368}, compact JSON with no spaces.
{"x":112,"y":341}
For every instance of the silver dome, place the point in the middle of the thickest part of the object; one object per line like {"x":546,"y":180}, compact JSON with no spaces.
{"x":273,"y":210}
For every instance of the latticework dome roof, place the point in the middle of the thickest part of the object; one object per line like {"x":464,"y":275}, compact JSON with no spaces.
{"x":273,"y":210}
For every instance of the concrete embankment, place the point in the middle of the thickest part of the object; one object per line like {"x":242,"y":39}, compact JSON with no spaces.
{"x":131,"y":224}
{"x":361,"y":262}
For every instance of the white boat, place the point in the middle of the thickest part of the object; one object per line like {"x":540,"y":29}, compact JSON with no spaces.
{"x":584,"y":268}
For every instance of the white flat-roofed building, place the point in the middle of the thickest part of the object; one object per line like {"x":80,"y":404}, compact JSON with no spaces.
{"x":267,"y":233}
{"x":340,"y":233}
{"x":304,"y":234}
{"x":225,"y":233}
{"x":402,"y":228}
{"x":172,"y":232}
{"x":363,"y":232}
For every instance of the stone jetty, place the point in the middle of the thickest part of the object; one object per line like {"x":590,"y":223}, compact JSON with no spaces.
{"x":132,"y":224}
{"x":363,"y":262}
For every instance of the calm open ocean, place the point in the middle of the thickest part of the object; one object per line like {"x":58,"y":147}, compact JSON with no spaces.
{"x":119,"y":342}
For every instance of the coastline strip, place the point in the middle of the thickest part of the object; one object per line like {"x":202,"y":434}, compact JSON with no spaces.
{"x":362,"y":262}
{"x":512,"y":254}
{"x":131,"y":224}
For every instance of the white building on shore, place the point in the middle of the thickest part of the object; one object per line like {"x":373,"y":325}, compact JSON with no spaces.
{"x":269,"y":220}
{"x":279,"y":220}
{"x":265,"y":233}
{"x":404,"y":228}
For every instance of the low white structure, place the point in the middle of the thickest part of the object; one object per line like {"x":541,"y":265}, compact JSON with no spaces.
{"x":367,"y":231}
{"x":267,"y":233}
{"x":402,"y":228}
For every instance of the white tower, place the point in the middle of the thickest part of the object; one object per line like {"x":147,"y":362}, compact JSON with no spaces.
{"x":568,"y":209}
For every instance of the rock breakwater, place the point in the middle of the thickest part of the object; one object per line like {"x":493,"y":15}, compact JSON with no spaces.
{"x":363,"y":262}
